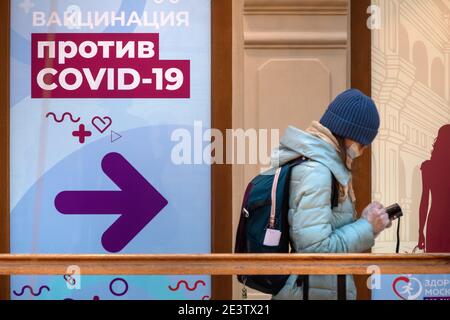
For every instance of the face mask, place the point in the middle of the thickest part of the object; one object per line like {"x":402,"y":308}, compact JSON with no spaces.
{"x":353,"y":152}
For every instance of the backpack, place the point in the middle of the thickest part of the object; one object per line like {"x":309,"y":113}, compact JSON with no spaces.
{"x":263,"y":225}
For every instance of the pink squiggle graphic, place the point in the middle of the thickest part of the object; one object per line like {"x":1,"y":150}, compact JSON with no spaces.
{"x":205,"y":298}
{"x":62,"y":117}
{"x":22,"y":291}
{"x":187,"y":285}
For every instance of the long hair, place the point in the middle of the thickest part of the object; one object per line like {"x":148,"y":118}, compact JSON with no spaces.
{"x":342,"y":154}
{"x":441,"y":152}
{"x":343,"y":148}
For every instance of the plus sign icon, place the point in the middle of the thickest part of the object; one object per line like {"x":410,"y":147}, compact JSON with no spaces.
{"x":81,"y":133}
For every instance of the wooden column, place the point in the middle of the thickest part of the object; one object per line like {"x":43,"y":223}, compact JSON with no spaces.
{"x":221,"y":175}
{"x":361,"y":78}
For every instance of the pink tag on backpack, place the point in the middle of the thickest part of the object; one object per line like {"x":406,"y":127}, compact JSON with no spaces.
{"x":272,"y":237}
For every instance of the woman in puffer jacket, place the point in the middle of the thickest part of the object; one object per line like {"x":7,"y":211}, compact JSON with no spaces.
{"x":350,"y":124}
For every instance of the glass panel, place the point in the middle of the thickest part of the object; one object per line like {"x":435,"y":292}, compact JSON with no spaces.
{"x":104,"y":95}
{"x":410,"y":84}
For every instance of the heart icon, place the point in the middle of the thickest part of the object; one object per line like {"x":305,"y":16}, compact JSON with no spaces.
{"x":394,"y":286}
{"x":101,"y":124}
{"x":411,"y":288}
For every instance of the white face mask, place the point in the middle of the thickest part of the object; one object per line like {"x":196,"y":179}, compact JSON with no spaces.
{"x":353,"y":152}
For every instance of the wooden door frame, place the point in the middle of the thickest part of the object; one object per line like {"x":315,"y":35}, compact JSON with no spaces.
{"x":361,"y":78}
{"x":221,"y":108}
{"x":221,"y":118}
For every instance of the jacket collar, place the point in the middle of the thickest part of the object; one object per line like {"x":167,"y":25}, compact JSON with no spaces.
{"x":296,"y":142}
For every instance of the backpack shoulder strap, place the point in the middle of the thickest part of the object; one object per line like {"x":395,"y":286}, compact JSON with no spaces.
{"x":334,"y":191}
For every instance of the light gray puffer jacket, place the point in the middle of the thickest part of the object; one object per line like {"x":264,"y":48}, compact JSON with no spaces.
{"x":314,"y":226}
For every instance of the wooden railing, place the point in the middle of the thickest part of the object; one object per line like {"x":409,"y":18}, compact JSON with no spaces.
{"x":224,"y":264}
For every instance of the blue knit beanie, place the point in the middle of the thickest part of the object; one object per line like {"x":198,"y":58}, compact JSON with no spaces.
{"x":352,"y":115}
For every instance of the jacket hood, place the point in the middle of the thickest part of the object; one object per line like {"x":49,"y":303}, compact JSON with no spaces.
{"x":296,"y":142}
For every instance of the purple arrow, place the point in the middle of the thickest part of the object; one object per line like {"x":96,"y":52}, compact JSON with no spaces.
{"x":138,"y":202}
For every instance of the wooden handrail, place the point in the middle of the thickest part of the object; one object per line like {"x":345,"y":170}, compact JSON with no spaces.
{"x":223,"y":264}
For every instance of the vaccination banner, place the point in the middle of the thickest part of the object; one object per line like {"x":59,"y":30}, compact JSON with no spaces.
{"x":101,"y":93}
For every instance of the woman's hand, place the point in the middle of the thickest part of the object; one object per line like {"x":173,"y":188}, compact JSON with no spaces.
{"x":377,"y":216}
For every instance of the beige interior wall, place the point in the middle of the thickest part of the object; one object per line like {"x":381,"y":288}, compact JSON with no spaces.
{"x":414,"y":102}
{"x":290,"y":61}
